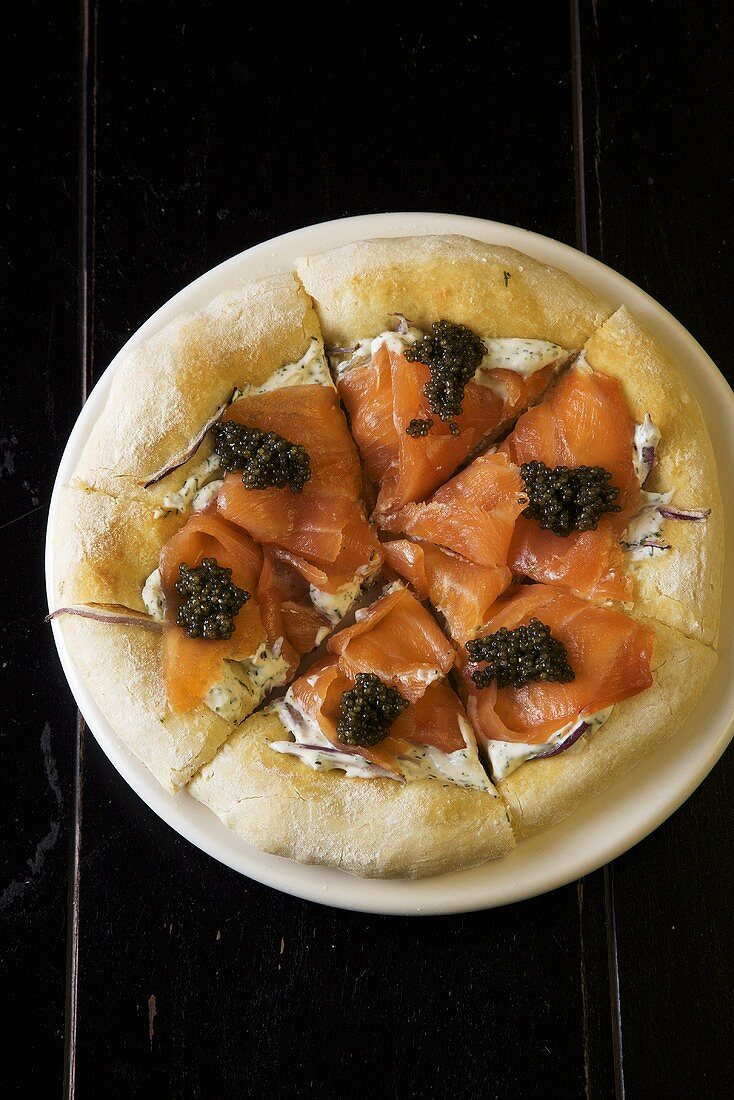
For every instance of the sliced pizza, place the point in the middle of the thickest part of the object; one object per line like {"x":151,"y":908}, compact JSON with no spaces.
{"x":539,"y":473}
{"x":234,"y":523}
{"x":368,"y":763}
{"x":437,"y":345}
{"x":566,"y":697}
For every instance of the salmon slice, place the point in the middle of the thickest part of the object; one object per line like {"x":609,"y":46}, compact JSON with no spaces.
{"x":321,"y":533}
{"x":304,"y":626}
{"x":287,"y":610}
{"x":433,"y":718}
{"x":474,"y":514}
{"x":191,"y":666}
{"x":307,"y":523}
{"x":311,"y":416}
{"x":367,"y":394}
{"x":278,"y":612}
{"x":436,"y":719}
{"x":608,"y":651}
{"x":587,"y":563}
{"x":584,"y":421}
{"x":360,"y":554}
{"x":383,"y":395}
{"x":461,"y":590}
{"x":465,"y":529}
{"x":397,"y":639}
{"x":310,"y":523}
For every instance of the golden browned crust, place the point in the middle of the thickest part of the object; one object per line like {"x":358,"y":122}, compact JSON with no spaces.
{"x":495,"y":290}
{"x":106,"y":547}
{"x":681,"y":587}
{"x":371,"y":827}
{"x":543,"y":792}
{"x":167,"y":388}
{"x":121,"y":667}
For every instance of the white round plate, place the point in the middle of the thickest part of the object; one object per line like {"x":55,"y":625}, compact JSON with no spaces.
{"x":604,"y":827}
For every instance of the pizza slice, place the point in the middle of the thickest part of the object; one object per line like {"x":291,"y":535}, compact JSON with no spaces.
{"x":214,"y":530}
{"x":622,"y":426}
{"x":674,"y":542}
{"x":566,"y":696}
{"x":621,"y":498}
{"x":437,"y":345}
{"x":368,"y":763}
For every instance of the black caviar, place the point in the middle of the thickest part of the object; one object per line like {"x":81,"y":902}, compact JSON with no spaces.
{"x":266,"y":459}
{"x":367,"y":712}
{"x":210,"y":600}
{"x":418,"y":428}
{"x":565,"y":499}
{"x":452,"y":354}
{"x":517,"y":657}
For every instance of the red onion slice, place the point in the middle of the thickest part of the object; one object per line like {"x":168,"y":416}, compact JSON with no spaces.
{"x":124,"y":618}
{"x":403,"y":324}
{"x":682,"y":513}
{"x":184,"y":458}
{"x":565,"y":744}
{"x":375,"y":769}
{"x":655,"y":543}
{"x":299,"y":722}
{"x":342,"y":350}
{"x":648,"y":461}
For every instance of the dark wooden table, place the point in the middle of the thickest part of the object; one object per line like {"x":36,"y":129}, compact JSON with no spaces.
{"x":144,"y":144}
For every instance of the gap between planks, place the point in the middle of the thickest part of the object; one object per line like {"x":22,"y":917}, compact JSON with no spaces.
{"x":609,"y":908}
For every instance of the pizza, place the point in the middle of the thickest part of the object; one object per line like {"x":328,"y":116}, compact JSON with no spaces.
{"x":396,"y":558}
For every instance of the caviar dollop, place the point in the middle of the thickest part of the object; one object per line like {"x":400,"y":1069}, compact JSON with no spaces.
{"x":209,"y":600}
{"x":520,"y":656}
{"x":452,"y":354}
{"x":418,"y":428}
{"x":266,"y":459}
{"x":565,"y":499}
{"x":367,"y":712}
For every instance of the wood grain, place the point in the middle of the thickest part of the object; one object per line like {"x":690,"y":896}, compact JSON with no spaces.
{"x":197,"y":133}
{"x":39,"y":401}
{"x":659,"y":209}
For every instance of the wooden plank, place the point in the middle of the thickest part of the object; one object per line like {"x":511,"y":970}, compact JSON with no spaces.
{"x":39,"y":400}
{"x":656,"y":78}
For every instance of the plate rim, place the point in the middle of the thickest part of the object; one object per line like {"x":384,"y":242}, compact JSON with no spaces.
{"x":472,"y":889}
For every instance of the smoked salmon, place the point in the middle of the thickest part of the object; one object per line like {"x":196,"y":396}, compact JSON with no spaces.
{"x":287,"y":611}
{"x":322,"y":529}
{"x":278,"y":611}
{"x":397,"y":640}
{"x":608,"y":651}
{"x":463,"y":534}
{"x":384,"y":393}
{"x":191,"y":666}
{"x":583,"y":421}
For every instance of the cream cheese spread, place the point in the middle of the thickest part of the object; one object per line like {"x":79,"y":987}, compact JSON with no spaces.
{"x":505,"y":757}
{"x":461,"y":767}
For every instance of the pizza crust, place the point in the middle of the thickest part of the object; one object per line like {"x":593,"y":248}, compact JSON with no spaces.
{"x":106,"y":547}
{"x":370,"y":827}
{"x":121,"y":667}
{"x":681,"y":587}
{"x":495,"y":291}
{"x":168,"y":388}
{"x":543,"y":792}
